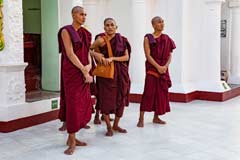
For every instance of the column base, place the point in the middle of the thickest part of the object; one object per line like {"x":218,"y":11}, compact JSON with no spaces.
{"x":14,"y":117}
{"x":13,"y":112}
{"x":186,"y":92}
{"x":12,"y":87}
{"x":213,"y":86}
{"x":234,"y":79}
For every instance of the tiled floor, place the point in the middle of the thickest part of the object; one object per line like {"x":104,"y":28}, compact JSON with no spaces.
{"x":199,"y":130}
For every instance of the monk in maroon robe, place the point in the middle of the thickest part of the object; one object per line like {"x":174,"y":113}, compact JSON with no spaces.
{"x":112,"y":94}
{"x":75,"y":96}
{"x":158,"y":48}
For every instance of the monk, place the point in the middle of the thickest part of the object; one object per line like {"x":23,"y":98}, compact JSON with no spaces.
{"x":112,"y":94}
{"x":75,"y":97}
{"x":158,"y":48}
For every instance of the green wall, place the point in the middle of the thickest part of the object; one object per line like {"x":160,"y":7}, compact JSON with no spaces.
{"x":50,"y":56}
{"x":32,"y":16}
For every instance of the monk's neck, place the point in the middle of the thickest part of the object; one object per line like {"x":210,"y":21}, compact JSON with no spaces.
{"x":76,"y":26}
{"x":110,"y":36}
{"x":157,"y":33}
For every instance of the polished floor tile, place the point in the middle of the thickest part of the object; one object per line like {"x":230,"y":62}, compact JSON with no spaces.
{"x":195,"y":131}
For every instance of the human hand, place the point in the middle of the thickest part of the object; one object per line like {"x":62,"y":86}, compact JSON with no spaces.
{"x":99,"y":57}
{"x":104,"y":61}
{"x":88,"y":78}
{"x":109,"y":60}
{"x":162,"y":69}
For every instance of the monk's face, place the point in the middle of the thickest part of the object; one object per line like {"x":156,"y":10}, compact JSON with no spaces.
{"x":80,"y":16}
{"x":158,"y":24}
{"x":110,"y":27}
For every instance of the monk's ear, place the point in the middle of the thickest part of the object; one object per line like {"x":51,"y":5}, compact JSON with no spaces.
{"x":116,"y":27}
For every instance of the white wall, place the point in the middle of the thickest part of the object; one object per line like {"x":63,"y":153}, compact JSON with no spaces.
{"x":193,"y":25}
{"x":13,"y":32}
{"x":234,"y":77}
{"x":12,"y":85}
{"x":172,"y":13}
{"x":199,"y":47}
{"x":65,"y":8}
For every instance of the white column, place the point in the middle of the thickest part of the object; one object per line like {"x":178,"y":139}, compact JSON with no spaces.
{"x":176,"y":16}
{"x":235,"y":39}
{"x":137,"y":63}
{"x":65,"y":8}
{"x":77,"y":3}
{"x":211,"y":44}
{"x":93,"y":22}
{"x":12,"y":83}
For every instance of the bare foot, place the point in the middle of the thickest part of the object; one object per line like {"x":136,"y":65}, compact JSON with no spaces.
{"x":78,"y":143}
{"x":158,"y":121}
{"x":63,"y":127}
{"x":140,"y":124}
{"x":87,"y":127}
{"x":118,"y":129}
{"x":97,"y":121}
{"x":109,"y":132}
{"x":70,"y":150}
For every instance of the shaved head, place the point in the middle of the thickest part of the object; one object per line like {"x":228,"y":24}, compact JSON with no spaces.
{"x":156,"y":19}
{"x":109,"y":19}
{"x":110,"y":26}
{"x":78,"y":15}
{"x":77,"y":9}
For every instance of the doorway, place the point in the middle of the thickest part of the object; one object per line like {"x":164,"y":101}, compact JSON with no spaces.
{"x":40,"y":25}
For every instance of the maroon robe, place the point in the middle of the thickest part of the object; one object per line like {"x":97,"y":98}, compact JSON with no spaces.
{"x":155,"y":96}
{"x":75,"y":96}
{"x":113,"y":94}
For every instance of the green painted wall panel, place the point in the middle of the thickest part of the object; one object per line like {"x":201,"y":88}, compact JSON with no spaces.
{"x":50,"y":56}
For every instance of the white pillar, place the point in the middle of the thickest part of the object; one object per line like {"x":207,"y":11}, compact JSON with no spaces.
{"x":65,"y":7}
{"x":77,"y":3}
{"x":12,"y":83}
{"x":235,"y":38}
{"x":176,"y":16}
{"x":93,"y":23}
{"x":137,"y":63}
{"x":211,"y":44}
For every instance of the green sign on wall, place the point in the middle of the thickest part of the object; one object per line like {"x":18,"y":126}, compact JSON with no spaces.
{"x":1,"y":27}
{"x":54,"y":104}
